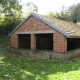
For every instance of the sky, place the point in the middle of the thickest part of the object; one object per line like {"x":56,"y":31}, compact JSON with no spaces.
{"x":45,"y":6}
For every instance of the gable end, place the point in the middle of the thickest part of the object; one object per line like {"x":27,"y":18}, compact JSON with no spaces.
{"x":41,"y":19}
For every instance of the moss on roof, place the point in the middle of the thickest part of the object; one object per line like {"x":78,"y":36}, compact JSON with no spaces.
{"x":69,"y":27}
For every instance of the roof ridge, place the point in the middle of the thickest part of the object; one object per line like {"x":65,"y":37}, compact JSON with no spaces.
{"x":59,"y":25}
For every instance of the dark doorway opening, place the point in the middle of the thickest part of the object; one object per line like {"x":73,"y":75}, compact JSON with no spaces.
{"x":24,"y":41}
{"x":73,"y":43}
{"x":44,"y":41}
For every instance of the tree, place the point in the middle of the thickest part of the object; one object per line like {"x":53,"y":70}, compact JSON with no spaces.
{"x":74,"y":10}
{"x":31,"y":7}
{"x":8,"y":7}
{"x":51,"y":14}
{"x":63,"y":15}
{"x":10,"y":11}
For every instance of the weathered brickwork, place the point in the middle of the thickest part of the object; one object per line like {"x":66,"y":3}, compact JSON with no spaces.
{"x":14,"y":41}
{"x":59,"y":42}
{"x":33,"y":24}
{"x":33,"y":41}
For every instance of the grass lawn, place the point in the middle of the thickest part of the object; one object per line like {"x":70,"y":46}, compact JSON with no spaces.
{"x":78,"y":23}
{"x":17,"y":67}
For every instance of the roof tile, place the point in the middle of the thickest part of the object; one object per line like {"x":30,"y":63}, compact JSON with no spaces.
{"x":69,"y":27}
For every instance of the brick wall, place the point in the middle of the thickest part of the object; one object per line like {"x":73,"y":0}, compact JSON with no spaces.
{"x":33,"y":24}
{"x":33,"y":41}
{"x":14,"y":41}
{"x":59,"y":42}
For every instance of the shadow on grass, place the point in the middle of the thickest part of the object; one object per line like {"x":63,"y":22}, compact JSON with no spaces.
{"x":17,"y":67}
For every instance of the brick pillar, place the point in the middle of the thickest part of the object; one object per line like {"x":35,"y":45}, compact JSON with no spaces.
{"x":33,"y":41}
{"x":59,"y":42}
{"x":14,"y":41}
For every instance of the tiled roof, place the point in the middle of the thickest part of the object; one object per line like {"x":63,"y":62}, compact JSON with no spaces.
{"x":69,"y":27}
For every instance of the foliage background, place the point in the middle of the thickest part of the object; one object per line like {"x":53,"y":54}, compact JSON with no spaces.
{"x":11,"y":14}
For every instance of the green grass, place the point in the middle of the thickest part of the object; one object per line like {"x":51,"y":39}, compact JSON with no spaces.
{"x":17,"y":67}
{"x":78,"y":23}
